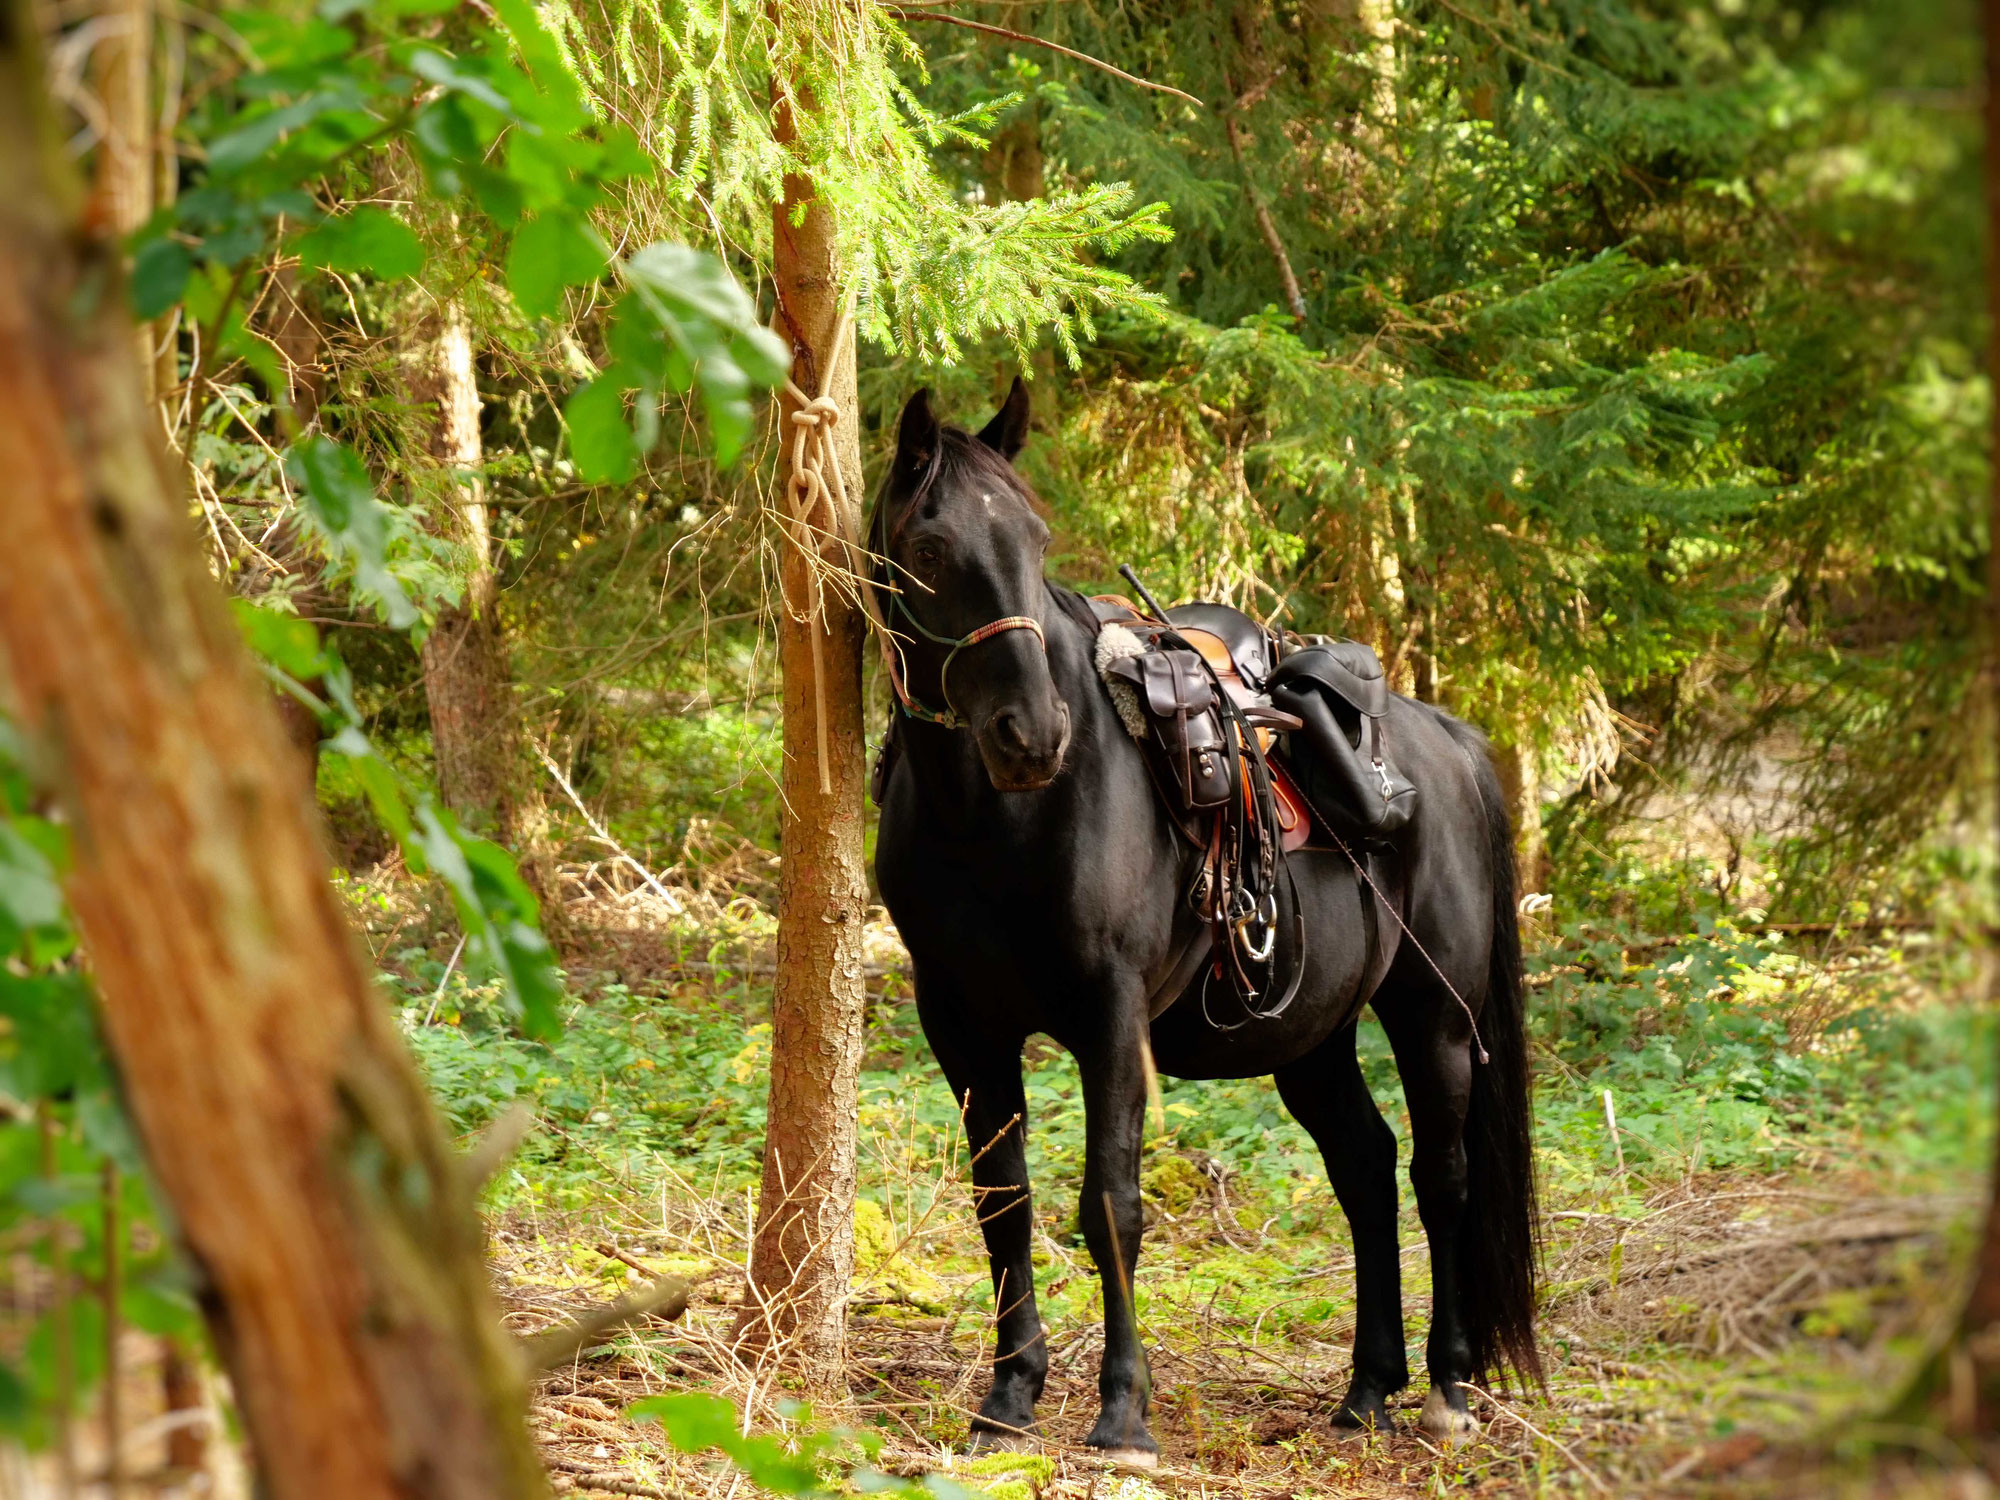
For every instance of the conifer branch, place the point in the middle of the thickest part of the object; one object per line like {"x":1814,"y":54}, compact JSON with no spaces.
{"x":902,"y":13}
{"x":1266,"y":225}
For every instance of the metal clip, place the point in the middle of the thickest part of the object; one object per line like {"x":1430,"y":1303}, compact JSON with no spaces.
{"x":1387,"y":790}
{"x":1257,"y":952}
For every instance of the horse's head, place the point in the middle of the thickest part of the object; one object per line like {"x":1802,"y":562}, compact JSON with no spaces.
{"x":958,"y":530}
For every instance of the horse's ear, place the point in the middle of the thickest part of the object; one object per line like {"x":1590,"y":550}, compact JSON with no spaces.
{"x":1009,"y":428}
{"x":916,"y":437}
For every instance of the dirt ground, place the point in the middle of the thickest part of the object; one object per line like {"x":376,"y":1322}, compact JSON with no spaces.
{"x":1728,"y":1338}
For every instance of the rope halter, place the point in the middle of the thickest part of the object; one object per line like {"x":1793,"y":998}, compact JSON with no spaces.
{"x":951,"y":718}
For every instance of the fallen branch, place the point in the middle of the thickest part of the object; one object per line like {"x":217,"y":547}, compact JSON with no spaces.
{"x":668,"y":1298}
{"x":500,"y":1139}
{"x":1564,"y":1448}
{"x":674,"y":903}
{"x":581,"y":1476}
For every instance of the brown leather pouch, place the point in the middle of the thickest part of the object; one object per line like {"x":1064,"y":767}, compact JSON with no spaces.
{"x":1185,"y":738}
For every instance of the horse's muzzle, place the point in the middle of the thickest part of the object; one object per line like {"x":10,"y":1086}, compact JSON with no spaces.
{"x":1024,"y":753}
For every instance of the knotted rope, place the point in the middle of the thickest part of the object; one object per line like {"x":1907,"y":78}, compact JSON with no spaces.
{"x":815,"y":480}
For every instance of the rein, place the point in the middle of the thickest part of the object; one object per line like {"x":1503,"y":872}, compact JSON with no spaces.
{"x":950,"y":718}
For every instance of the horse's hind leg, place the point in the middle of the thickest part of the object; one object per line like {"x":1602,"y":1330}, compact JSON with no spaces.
{"x":1432,"y":1041}
{"x":1328,"y":1096}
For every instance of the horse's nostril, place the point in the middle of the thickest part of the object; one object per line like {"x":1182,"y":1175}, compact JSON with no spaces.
{"x":1008,"y":728}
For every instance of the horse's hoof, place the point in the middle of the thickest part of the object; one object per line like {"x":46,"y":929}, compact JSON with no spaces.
{"x":1446,"y":1424}
{"x":1131,"y":1458}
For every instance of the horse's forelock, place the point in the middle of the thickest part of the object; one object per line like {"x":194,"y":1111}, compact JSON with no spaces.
{"x":959,"y":454}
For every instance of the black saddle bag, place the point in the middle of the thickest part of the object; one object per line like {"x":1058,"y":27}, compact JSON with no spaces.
{"x":1337,"y":689}
{"x":1185,"y":736}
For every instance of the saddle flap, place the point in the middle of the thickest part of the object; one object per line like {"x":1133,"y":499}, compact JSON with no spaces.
{"x":1347,"y":669}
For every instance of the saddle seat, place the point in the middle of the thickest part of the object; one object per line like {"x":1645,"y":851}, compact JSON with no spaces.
{"x":1241,"y":651}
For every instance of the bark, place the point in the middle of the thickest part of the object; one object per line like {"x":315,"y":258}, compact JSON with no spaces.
{"x":122,"y":193}
{"x":1973,"y":1363}
{"x":1521,"y":783}
{"x":1959,"y":1380}
{"x":475,"y":727}
{"x":182,"y":1395}
{"x":803,"y":1253}
{"x":295,"y":333}
{"x":1014,"y":164}
{"x":329,"y":1222}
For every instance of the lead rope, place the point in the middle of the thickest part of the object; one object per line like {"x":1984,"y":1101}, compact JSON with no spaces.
{"x":1397,"y":917}
{"x":816,"y":479}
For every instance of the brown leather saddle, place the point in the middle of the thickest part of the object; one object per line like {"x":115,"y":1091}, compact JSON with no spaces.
{"x":1327,"y":697}
{"x":1315,"y":707}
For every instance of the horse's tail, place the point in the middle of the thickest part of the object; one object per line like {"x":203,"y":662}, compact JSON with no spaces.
{"x":1499,"y":1244}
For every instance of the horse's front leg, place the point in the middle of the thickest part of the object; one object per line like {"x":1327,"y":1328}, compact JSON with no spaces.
{"x":985,"y":1079}
{"x":1114,"y":1096}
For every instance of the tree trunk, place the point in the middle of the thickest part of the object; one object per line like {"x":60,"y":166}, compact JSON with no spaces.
{"x":295,"y":333}
{"x":1973,"y":1363}
{"x":1245,"y":86}
{"x":122,"y":196}
{"x":1959,"y":1380}
{"x":1014,"y":167}
{"x":330,"y":1224}
{"x":1521,"y":782}
{"x":803,"y":1254}
{"x":475,"y":731}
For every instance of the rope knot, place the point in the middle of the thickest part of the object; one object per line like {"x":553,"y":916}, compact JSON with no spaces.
{"x":820,"y":412}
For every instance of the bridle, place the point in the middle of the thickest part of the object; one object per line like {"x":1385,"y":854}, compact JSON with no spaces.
{"x":891,"y":656}
{"x":892,"y":652}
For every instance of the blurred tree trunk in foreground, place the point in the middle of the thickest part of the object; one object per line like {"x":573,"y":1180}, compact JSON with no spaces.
{"x":803,"y":1255}
{"x":1960,"y":1379}
{"x":326,"y":1214}
{"x":1973,"y":1373}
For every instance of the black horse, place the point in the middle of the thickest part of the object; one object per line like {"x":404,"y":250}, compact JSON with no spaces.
{"x":1037,"y":880}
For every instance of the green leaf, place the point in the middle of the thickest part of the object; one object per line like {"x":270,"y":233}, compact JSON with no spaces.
{"x":378,"y":782}
{"x":497,"y":912}
{"x":341,"y":503}
{"x":232,"y":151}
{"x":557,"y":100}
{"x":448,"y":73}
{"x":285,"y":641}
{"x":599,"y":439}
{"x":694,"y":1420}
{"x":30,"y":896}
{"x":366,"y":239}
{"x":159,"y":272}
{"x":550,"y":252}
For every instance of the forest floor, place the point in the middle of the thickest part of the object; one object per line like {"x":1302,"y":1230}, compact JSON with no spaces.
{"x":1726,"y":1309}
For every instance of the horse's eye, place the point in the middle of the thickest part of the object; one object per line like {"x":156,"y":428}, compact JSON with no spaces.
{"x":925,"y":555}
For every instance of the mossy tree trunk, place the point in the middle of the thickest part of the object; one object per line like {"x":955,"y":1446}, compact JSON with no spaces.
{"x":329,"y":1221}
